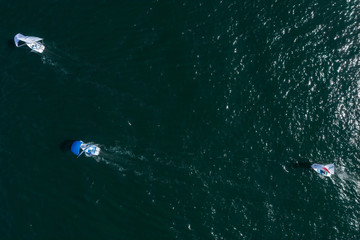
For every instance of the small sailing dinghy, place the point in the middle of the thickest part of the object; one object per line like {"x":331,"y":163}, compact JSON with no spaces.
{"x":325,"y":170}
{"x":34,"y":43}
{"x":79,"y":147}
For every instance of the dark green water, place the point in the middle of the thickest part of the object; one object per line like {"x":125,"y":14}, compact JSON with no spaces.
{"x":207,"y":113}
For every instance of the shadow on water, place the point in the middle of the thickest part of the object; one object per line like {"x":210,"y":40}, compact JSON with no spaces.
{"x":66,"y":145}
{"x":11,"y":43}
{"x":301,"y":165}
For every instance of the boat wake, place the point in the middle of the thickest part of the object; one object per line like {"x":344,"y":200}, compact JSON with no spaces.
{"x":342,"y":174}
{"x":59,"y":59}
{"x":70,"y":66}
{"x":149,"y":165}
{"x":121,"y":159}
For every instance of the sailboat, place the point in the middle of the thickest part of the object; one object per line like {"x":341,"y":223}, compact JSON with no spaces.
{"x":34,"y":43}
{"x":79,"y":147}
{"x":325,"y":170}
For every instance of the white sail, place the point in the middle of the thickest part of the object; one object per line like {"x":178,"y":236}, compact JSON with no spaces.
{"x":331,"y":168}
{"x":325,"y":170}
{"x":32,"y":42}
{"x":27,"y":39}
{"x":18,"y":38}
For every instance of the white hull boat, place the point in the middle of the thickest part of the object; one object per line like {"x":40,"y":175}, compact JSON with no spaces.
{"x":325,"y":170}
{"x":90,"y":150}
{"x":34,"y":43}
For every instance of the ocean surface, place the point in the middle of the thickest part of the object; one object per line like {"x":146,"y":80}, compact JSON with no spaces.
{"x":208,"y":114}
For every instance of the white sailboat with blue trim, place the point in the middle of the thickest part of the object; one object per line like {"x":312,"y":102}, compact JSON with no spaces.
{"x":34,"y":43}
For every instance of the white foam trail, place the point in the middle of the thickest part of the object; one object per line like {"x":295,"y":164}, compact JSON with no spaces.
{"x":110,"y":163}
{"x":119,"y":158}
{"x":341,"y":173}
{"x":56,"y":58}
